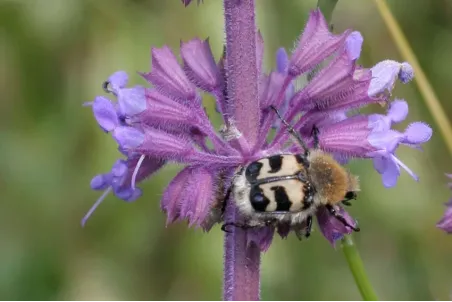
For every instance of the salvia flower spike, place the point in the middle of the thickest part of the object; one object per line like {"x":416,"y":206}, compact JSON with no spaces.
{"x":165,"y":122}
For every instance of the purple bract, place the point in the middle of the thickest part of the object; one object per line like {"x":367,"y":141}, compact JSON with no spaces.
{"x":166,"y":122}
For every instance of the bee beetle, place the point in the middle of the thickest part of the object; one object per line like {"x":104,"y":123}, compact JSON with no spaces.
{"x":288,"y":189}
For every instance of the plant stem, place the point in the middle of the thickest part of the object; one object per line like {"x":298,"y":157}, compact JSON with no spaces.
{"x":241,"y":66}
{"x":422,"y":82}
{"x":242,"y":259}
{"x":241,"y":263}
{"x":357,"y":268}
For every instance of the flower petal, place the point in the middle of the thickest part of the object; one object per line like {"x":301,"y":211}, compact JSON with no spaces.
{"x":199,"y":64}
{"x":129,"y":194}
{"x":122,"y":172}
{"x":199,"y":194}
{"x":118,"y":80}
{"x":148,"y":166}
{"x":100,"y":182}
{"x":118,"y":180}
{"x":153,"y":142}
{"x":162,"y":111}
{"x":398,"y":111}
{"x":262,"y":237}
{"x":380,"y":164}
{"x":320,"y":120}
{"x":354,"y":43}
{"x":417,"y":133}
{"x":336,"y":87}
{"x":105,"y":113}
{"x":128,"y":137}
{"x":348,"y":137}
{"x":271,"y":89}
{"x":174,"y":194}
{"x":119,"y":168}
{"x":168,"y":76}
{"x":331,"y":228}
{"x":385,"y":140}
{"x":384,"y":75}
{"x":131,"y":101}
{"x":391,"y":173}
{"x":406,"y":73}
{"x":315,"y":45}
{"x":282,"y":60}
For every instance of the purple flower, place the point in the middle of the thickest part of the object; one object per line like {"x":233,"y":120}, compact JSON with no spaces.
{"x":332,"y":228}
{"x":446,"y":222}
{"x":200,"y":66}
{"x":166,"y":122}
{"x":191,"y":195}
{"x":315,"y":45}
{"x":385,"y":74}
{"x":122,"y":177}
{"x":354,"y":43}
{"x":370,"y":136}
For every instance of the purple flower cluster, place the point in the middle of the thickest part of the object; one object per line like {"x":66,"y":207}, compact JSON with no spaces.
{"x":167,"y":123}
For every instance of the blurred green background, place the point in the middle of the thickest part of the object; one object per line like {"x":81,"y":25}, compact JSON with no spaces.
{"x":55,"y":54}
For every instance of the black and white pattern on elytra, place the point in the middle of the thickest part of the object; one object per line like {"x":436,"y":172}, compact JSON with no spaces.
{"x":283,"y":203}
{"x":253,"y":171}
{"x":258,"y":199}
{"x":275,"y":163}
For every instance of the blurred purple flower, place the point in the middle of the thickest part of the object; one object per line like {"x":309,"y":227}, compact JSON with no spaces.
{"x":168,"y":123}
{"x":446,"y":221}
{"x":187,"y":2}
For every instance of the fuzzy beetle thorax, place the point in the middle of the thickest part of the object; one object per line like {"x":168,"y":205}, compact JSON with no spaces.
{"x":331,"y":180}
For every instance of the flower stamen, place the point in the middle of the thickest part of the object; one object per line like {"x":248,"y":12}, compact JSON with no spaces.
{"x":135,"y":172}
{"x":94,"y":206}
{"x":408,"y":170}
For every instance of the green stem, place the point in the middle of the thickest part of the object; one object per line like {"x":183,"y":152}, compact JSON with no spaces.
{"x":356,"y":266}
{"x":327,"y":7}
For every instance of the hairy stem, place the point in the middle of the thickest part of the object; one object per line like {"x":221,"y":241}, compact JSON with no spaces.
{"x":242,"y":260}
{"x":241,"y":263}
{"x":241,"y":67}
{"x":357,"y":268}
